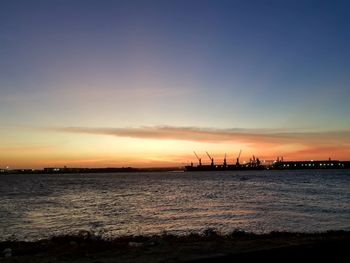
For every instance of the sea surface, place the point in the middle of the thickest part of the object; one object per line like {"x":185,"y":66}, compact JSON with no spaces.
{"x":39,"y":206}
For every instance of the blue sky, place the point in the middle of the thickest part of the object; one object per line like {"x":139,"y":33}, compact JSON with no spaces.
{"x":206,"y":64}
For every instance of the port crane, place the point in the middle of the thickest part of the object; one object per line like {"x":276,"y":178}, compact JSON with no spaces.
{"x":239,"y":155}
{"x":255,"y":161}
{"x":211,"y":159}
{"x":199,"y":159}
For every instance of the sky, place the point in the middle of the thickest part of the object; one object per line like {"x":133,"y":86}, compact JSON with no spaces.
{"x":100,"y":83}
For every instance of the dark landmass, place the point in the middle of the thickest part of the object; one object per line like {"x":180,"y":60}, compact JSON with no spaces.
{"x":68,"y":170}
{"x":206,"y":247}
{"x":289,"y":165}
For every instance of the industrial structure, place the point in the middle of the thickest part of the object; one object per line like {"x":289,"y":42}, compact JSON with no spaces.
{"x":256,"y":164}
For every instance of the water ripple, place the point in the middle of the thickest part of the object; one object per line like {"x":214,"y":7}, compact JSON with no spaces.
{"x":39,"y":206}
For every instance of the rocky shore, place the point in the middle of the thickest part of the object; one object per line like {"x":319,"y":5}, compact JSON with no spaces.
{"x":209,"y":246}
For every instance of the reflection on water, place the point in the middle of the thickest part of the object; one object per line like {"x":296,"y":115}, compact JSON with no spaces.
{"x":39,"y":206}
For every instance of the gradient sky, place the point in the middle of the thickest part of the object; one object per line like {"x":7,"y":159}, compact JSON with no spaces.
{"x":144,"y":83}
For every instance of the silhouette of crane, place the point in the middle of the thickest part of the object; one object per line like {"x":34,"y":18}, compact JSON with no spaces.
{"x":239,"y":155}
{"x":199,"y":159}
{"x":211,"y":159}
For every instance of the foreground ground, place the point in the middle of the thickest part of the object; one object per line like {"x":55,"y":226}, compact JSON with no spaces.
{"x":207,"y":247}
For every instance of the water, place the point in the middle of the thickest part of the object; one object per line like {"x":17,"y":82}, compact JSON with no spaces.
{"x":39,"y":206}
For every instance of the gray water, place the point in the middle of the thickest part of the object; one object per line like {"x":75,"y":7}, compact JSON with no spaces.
{"x":40,"y":206}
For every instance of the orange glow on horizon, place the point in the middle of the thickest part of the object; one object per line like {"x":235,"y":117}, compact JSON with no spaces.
{"x":39,"y":149}
{"x":23,"y":160}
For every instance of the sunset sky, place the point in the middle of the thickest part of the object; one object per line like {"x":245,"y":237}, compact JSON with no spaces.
{"x":101,"y":83}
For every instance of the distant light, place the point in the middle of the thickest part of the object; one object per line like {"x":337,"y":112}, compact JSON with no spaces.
{"x":312,"y":160}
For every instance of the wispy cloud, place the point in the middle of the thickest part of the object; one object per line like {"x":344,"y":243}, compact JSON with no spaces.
{"x":208,"y":135}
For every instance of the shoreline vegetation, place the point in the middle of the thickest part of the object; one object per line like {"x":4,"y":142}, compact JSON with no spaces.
{"x":208,"y":246}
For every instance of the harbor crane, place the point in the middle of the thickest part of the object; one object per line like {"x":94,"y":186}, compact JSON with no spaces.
{"x":199,"y":159}
{"x":211,"y":159}
{"x":256,"y":161}
{"x":239,"y":155}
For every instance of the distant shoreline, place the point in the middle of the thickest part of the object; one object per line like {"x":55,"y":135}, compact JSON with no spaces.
{"x":206,"y":247}
{"x":66,"y":170}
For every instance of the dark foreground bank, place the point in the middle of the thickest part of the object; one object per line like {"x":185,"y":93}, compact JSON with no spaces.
{"x":207,"y":247}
